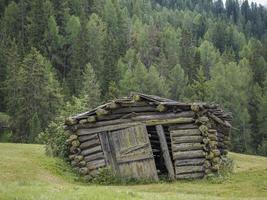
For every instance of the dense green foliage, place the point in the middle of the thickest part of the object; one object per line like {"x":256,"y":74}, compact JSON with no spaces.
{"x":54,"y":54}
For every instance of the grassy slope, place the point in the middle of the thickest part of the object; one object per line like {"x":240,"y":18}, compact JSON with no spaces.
{"x":26,"y":173}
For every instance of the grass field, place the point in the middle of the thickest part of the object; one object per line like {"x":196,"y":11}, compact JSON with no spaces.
{"x":27,"y":173}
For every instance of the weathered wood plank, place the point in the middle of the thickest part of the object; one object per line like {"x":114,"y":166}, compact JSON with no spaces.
{"x":190,"y":175}
{"x":188,"y":154}
{"x":189,"y":162}
{"x":133,"y":159}
{"x":134,"y":109}
{"x":142,"y":118}
{"x":106,"y":128}
{"x":130,"y":124}
{"x":91,"y":150}
{"x":109,"y":157}
{"x":183,"y":127}
{"x":90,"y":144}
{"x":97,"y":156}
{"x":95,"y":164}
{"x":165,"y":151}
{"x":169,"y":121}
{"x":187,"y":139}
{"x":187,"y":147}
{"x":218,"y":120}
{"x":133,"y":152}
{"x":190,"y":132}
{"x":189,"y":169}
{"x":87,"y":137}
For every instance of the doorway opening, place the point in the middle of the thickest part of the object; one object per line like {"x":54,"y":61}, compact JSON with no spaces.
{"x":156,"y":149}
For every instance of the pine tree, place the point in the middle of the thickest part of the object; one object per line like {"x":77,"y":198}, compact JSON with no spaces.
{"x":90,"y":87}
{"x":199,"y":89}
{"x":262,"y":118}
{"x":12,"y":84}
{"x":155,"y":83}
{"x":232,"y":93}
{"x":113,"y":91}
{"x":75,"y":54}
{"x":37,"y":23}
{"x":11,"y":21}
{"x":187,"y":50}
{"x":53,"y":42}
{"x":177,"y":83}
{"x":38,"y":92}
{"x":112,"y":53}
{"x":95,"y":38}
{"x":209,"y":57}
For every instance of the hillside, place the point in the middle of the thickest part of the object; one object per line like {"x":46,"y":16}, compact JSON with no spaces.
{"x":27,"y":173}
{"x":62,"y":57}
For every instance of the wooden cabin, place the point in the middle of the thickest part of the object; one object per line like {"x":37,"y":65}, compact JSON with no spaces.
{"x":145,"y":136}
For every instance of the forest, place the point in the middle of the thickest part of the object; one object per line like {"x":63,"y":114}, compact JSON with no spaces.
{"x":61,"y":57}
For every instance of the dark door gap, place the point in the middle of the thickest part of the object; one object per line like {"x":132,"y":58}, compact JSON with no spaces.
{"x":157,"y":152}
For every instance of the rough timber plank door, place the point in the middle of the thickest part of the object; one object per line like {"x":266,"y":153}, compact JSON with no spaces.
{"x":133,"y":153}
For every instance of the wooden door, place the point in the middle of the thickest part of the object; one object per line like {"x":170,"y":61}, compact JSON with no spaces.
{"x":133,"y":153}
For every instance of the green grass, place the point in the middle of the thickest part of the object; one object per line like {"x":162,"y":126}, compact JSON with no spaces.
{"x":27,"y":173}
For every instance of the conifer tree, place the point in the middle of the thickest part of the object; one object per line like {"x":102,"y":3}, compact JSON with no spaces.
{"x":199,"y":89}
{"x":37,"y":93}
{"x":90,"y":87}
{"x":187,"y":50}
{"x":262,"y":117}
{"x":177,"y":83}
{"x":95,"y":38}
{"x":232,"y":93}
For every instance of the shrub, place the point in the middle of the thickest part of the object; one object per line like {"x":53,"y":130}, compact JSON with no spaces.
{"x":5,"y":132}
{"x":263,"y":148}
{"x":226,"y":166}
{"x":54,"y":137}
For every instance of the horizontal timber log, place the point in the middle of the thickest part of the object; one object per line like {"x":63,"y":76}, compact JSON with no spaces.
{"x":218,"y":120}
{"x":187,"y":147}
{"x":123,"y":116}
{"x":189,"y":169}
{"x":169,"y":121}
{"x":134,"y":109}
{"x":91,"y":151}
{"x":183,"y":127}
{"x":141,"y":118}
{"x":187,"y":139}
{"x":190,"y":175}
{"x":106,"y":128}
{"x":97,"y":156}
{"x":133,"y":104}
{"x":190,"y":132}
{"x":96,"y":164}
{"x":126,"y":125}
{"x":90,"y":144}
{"x":188,"y":162}
{"x":188,"y":154}
{"x":87,"y":137}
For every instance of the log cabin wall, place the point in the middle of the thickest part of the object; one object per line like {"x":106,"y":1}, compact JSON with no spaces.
{"x":145,"y":136}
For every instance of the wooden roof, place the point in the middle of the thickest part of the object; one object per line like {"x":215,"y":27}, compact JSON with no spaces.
{"x":153,"y":100}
